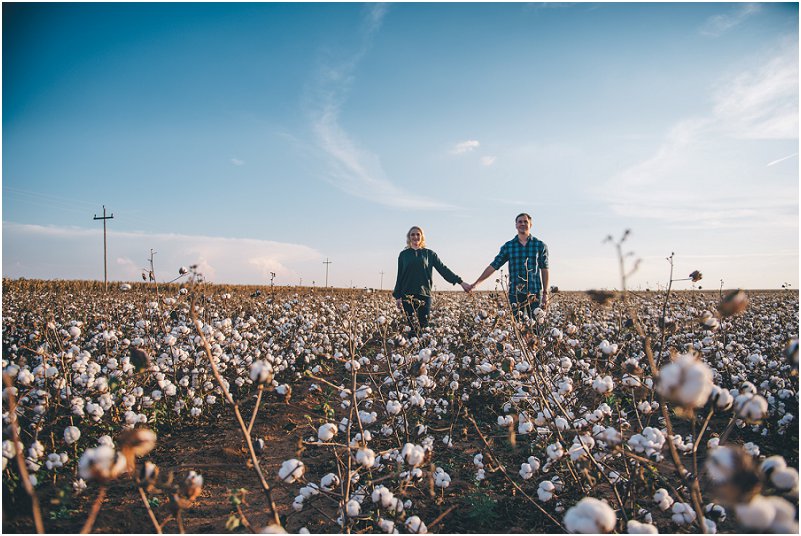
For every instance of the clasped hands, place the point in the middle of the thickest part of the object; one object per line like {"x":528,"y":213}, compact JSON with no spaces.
{"x":467,"y":286}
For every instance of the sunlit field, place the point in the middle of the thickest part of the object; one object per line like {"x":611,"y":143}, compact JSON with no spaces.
{"x":318,"y":410}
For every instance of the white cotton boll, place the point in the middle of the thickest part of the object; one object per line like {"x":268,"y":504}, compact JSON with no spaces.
{"x":555,"y":451}
{"x":771,"y":463}
{"x":326,"y":432}
{"x":416,"y":526}
{"x":74,"y":332}
{"x":534,"y":463}
{"x":387,"y":525}
{"x":750,"y":407}
{"x":711,"y":526}
{"x":758,"y":514}
{"x":307,"y":492}
{"x":785,"y":478}
{"x":590,"y":516}
{"x":365,"y":457}
{"x":505,"y":421}
{"x":721,"y":464}
{"x":329,"y":482}
{"x":441,"y":478}
{"x":79,"y":486}
{"x":603,"y":385}
{"x":9,"y":450}
{"x":715,"y":512}
{"x":635,"y":527}
{"x":683,"y":513}
{"x":413,"y":454}
{"x":381,"y":494}
{"x":663,"y":499}
{"x":722,"y":398}
{"x":546,"y":490}
{"x":25,"y":377}
{"x":751,"y":448}
{"x":607,"y":348}
{"x":561,"y":424}
{"x":784,"y":521}
{"x":102,"y":463}
{"x":291,"y":470}
{"x":71,"y":434}
{"x":261,"y":372}
{"x":576,"y":452}
{"x":524,"y":427}
{"x":353,"y":508}
{"x":686,"y":381}
{"x":394,"y":407}
{"x":368,"y":418}
{"x":297,"y":504}
{"x":526,"y":471}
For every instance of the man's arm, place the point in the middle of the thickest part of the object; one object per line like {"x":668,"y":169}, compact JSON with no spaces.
{"x":488,"y":271}
{"x":545,"y":292}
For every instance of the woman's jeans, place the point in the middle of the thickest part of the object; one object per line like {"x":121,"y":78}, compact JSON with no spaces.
{"x":419,"y":308}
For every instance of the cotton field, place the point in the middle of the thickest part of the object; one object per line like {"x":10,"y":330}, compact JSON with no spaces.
{"x":632,"y":412}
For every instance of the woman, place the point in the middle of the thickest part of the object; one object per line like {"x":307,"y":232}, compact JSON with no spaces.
{"x":413,"y":287}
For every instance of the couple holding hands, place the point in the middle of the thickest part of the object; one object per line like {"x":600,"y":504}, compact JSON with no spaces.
{"x":528,"y":273}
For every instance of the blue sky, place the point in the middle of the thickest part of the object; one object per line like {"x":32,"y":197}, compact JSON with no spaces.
{"x":250,"y":138}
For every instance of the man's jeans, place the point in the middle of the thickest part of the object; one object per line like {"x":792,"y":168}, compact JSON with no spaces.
{"x":524,"y":304}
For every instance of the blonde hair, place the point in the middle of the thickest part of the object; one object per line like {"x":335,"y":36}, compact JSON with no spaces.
{"x":422,"y":237}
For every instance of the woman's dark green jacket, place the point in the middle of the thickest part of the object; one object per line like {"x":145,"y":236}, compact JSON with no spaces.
{"x":415,"y":268}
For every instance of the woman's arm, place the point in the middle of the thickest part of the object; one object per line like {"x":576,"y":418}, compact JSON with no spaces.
{"x":444,"y":271}
{"x":396,"y":293}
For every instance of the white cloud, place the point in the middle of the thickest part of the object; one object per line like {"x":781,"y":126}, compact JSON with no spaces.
{"x":717,"y":25}
{"x":37,"y":251}
{"x":351,"y":168}
{"x":708,"y":170}
{"x":762,"y":103}
{"x":774,"y":162}
{"x":237,"y":162}
{"x":465,"y":146}
{"x":488,"y":160}
{"x":128,"y":269}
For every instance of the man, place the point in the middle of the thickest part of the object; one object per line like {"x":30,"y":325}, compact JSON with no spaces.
{"x":528,"y":268}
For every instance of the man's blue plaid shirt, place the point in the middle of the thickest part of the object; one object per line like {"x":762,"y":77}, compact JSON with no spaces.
{"x":525,"y":263}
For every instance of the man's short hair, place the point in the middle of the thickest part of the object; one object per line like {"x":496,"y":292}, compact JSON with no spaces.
{"x":528,"y":216}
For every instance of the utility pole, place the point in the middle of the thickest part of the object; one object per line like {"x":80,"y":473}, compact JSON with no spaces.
{"x":105,"y":263}
{"x":382,"y":279}
{"x":326,"y":262}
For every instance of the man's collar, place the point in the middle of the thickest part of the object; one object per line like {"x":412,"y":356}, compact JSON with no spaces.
{"x":517,"y":238}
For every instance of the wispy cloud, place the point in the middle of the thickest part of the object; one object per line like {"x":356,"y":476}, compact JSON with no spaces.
{"x":465,"y":146}
{"x":237,"y":162}
{"x":774,"y":162}
{"x":351,"y":168}
{"x":704,"y":158}
{"x":717,"y":25}
{"x":487,"y":160}
{"x":37,"y":251}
